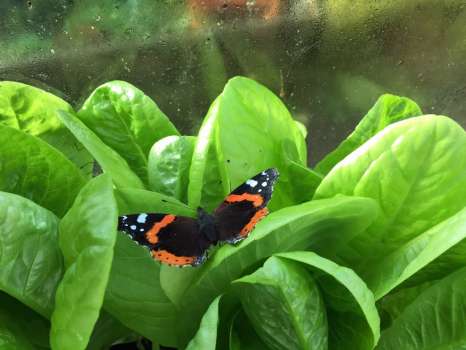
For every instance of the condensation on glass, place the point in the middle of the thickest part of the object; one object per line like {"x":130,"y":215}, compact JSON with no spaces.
{"x":328,"y":60}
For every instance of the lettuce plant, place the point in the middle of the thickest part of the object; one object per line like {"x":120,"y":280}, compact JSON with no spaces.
{"x":365,"y":251}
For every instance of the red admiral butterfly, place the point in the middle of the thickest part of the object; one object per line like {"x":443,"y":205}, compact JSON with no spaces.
{"x":180,"y":240}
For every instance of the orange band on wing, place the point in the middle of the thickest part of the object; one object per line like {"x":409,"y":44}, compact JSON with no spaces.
{"x":151,"y":235}
{"x":169,"y":258}
{"x":256,"y":199}
{"x":254,"y":220}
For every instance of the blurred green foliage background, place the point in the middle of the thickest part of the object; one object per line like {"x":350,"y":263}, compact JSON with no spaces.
{"x":327,"y":59}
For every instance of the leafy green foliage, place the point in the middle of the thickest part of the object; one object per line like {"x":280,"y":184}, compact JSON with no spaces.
{"x":304,"y":226}
{"x":392,"y":305}
{"x":31,"y":168}
{"x":361,"y":320}
{"x":31,"y":264}
{"x":387,"y":110}
{"x":34,"y":112}
{"x":285,"y":306}
{"x":434,"y":320}
{"x":305,"y":181}
{"x":107,"y":331}
{"x":415,"y":169}
{"x":131,"y":200}
{"x":440,"y":248}
{"x":20,"y":327}
{"x":110,"y":161}
{"x":245,"y":114}
{"x":208,"y":182}
{"x":127,"y":120}
{"x":134,"y":295}
{"x":382,"y":217}
{"x":169,"y":162}
{"x":87,"y":237}
{"x":242,"y":335}
{"x":206,"y":336}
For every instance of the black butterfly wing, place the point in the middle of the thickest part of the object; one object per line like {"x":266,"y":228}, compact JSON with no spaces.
{"x":243,"y":208}
{"x":174,"y":240}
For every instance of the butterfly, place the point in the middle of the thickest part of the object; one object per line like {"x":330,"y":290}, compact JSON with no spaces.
{"x":183,"y":241}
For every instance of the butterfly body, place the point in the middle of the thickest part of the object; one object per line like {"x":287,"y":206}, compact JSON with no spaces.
{"x":207,"y":226}
{"x":181,"y":241}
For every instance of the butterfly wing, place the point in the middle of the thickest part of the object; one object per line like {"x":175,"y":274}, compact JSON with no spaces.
{"x":243,"y":208}
{"x":174,"y":240}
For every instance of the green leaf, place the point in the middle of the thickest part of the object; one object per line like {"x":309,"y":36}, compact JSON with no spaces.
{"x":302,"y":128}
{"x":284,"y":305}
{"x":244,"y":132}
{"x":436,"y":319}
{"x":206,"y":336}
{"x":33,"y":169}
{"x":34,"y":112}
{"x":422,"y":252}
{"x":242,"y":334}
{"x":415,"y":169}
{"x":110,"y":161}
{"x":87,"y":238}
{"x":20,"y":327}
{"x":134,"y":295}
{"x":31,"y":264}
{"x":216,"y":325}
{"x":208,"y":180}
{"x":169,"y":163}
{"x":391,"y":306}
{"x":133,"y":201}
{"x":387,"y":110}
{"x":175,"y":281}
{"x":348,"y":331}
{"x":367,"y":322}
{"x":12,"y":337}
{"x":107,"y":331}
{"x":127,"y":120}
{"x":311,"y":224}
{"x":305,"y":181}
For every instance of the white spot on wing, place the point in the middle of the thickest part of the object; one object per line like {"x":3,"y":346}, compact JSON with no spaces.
{"x":132,"y":227}
{"x":251,"y":182}
{"x":264,"y":184}
{"x":142,"y":218}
